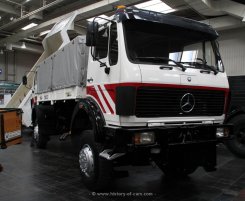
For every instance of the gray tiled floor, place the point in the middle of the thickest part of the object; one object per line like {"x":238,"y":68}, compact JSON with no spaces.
{"x":53,"y":174}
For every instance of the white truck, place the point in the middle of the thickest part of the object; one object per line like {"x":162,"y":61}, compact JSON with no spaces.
{"x":141,"y":86}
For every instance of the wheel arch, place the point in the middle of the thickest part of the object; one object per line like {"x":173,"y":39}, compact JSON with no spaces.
{"x":88,"y":109}
{"x":234,"y":113}
{"x":237,"y":144}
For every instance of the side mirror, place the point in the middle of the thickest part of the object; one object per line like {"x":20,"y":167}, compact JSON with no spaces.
{"x":92,"y":33}
{"x":24,"y":80}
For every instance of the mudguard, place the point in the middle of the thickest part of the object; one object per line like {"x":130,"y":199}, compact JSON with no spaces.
{"x":233,"y":113}
{"x":91,"y":108}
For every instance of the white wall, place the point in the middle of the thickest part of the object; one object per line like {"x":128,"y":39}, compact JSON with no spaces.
{"x":232,"y":49}
{"x":23,"y":62}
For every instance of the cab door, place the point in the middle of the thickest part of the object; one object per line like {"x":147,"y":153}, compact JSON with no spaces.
{"x":104,"y":69}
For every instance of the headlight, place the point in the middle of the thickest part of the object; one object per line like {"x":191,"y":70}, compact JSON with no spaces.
{"x":222,"y":132}
{"x":144,"y":138}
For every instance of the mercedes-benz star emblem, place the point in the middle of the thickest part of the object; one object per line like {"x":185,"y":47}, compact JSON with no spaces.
{"x":187,"y":103}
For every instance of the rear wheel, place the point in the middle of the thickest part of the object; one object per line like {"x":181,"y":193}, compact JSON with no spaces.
{"x":40,"y":140}
{"x":237,"y":144}
{"x":96,"y":171}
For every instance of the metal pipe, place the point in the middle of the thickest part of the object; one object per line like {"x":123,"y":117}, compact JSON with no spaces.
{"x":6,"y":65}
{"x":86,"y":12}
{"x":31,"y":13}
{"x":31,"y":40}
{"x":14,"y":73}
{"x":21,"y":11}
{"x":29,"y":48}
{"x":13,"y":2}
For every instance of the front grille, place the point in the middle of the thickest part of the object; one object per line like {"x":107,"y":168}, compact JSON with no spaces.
{"x":165,"y":102}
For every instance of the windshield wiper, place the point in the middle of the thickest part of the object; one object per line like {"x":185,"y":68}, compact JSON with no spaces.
{"x":202,"y":65}
{"x":164,"y":59}
{"x":212,"y":68}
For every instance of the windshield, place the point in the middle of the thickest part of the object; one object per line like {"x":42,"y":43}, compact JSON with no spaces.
{"x":156,"y":43}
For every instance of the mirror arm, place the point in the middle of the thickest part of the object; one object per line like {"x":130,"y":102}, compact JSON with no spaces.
{"x":107,"y":70}
{"x":102,"y":64}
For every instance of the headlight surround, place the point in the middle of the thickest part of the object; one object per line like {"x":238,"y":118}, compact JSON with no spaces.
{"x":144,"y":138}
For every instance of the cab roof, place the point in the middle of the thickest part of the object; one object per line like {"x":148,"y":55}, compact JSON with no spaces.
{"x":139,"y":14}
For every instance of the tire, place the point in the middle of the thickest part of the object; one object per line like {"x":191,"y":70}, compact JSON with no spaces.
{"x":178,"y":172}
{"x":39,"y":139}
{"x":237,"y":144}
{"x":96,"y":171}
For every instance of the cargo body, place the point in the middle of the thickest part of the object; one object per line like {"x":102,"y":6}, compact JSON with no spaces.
{"x":141,"y":87}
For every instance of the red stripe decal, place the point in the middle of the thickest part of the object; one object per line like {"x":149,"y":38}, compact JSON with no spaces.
{"x":112,"y":87}
{"x":91,"y":91}
{"x":106,"y":101}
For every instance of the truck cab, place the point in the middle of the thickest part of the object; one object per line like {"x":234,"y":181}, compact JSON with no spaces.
{"x":155,"y":67}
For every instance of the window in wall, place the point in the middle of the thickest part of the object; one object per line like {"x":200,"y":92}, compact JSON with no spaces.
{"x":113,"y":47}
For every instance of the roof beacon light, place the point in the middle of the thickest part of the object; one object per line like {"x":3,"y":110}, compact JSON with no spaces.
{"x":120,"y":8}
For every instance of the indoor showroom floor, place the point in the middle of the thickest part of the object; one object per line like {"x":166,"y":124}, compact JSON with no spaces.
{"x":53,"y":174}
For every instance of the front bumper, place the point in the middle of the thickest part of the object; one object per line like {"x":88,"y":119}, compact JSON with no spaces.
{"x":171,"y":135}
{"x":181,"y":145}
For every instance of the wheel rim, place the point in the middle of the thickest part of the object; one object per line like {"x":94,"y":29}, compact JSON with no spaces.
{"x":86,"y":160}
{"x":35,"y":133}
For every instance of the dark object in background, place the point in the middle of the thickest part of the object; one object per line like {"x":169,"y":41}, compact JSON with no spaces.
{"x":10,"y":127}
{"x":236,"y":115}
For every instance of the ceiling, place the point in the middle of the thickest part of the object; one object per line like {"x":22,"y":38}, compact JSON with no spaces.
{"x":16,"y":14}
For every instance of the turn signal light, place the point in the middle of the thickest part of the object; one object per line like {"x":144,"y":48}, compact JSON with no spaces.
{"x":222,"y":132}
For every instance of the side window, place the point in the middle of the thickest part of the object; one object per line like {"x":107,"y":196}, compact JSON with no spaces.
{"x":113,"y":46}
{"x":101,"y":49}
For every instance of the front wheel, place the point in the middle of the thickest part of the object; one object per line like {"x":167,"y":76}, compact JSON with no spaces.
{"x":179,"y":172}
{"x":174,"y":171}
{"x":96,"y":171}
{"x":237,"y":144}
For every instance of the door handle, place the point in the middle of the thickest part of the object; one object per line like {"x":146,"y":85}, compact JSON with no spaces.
{"x":205,"y":71}
{"x":166,"y":67}
{"x":90,"y":80}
